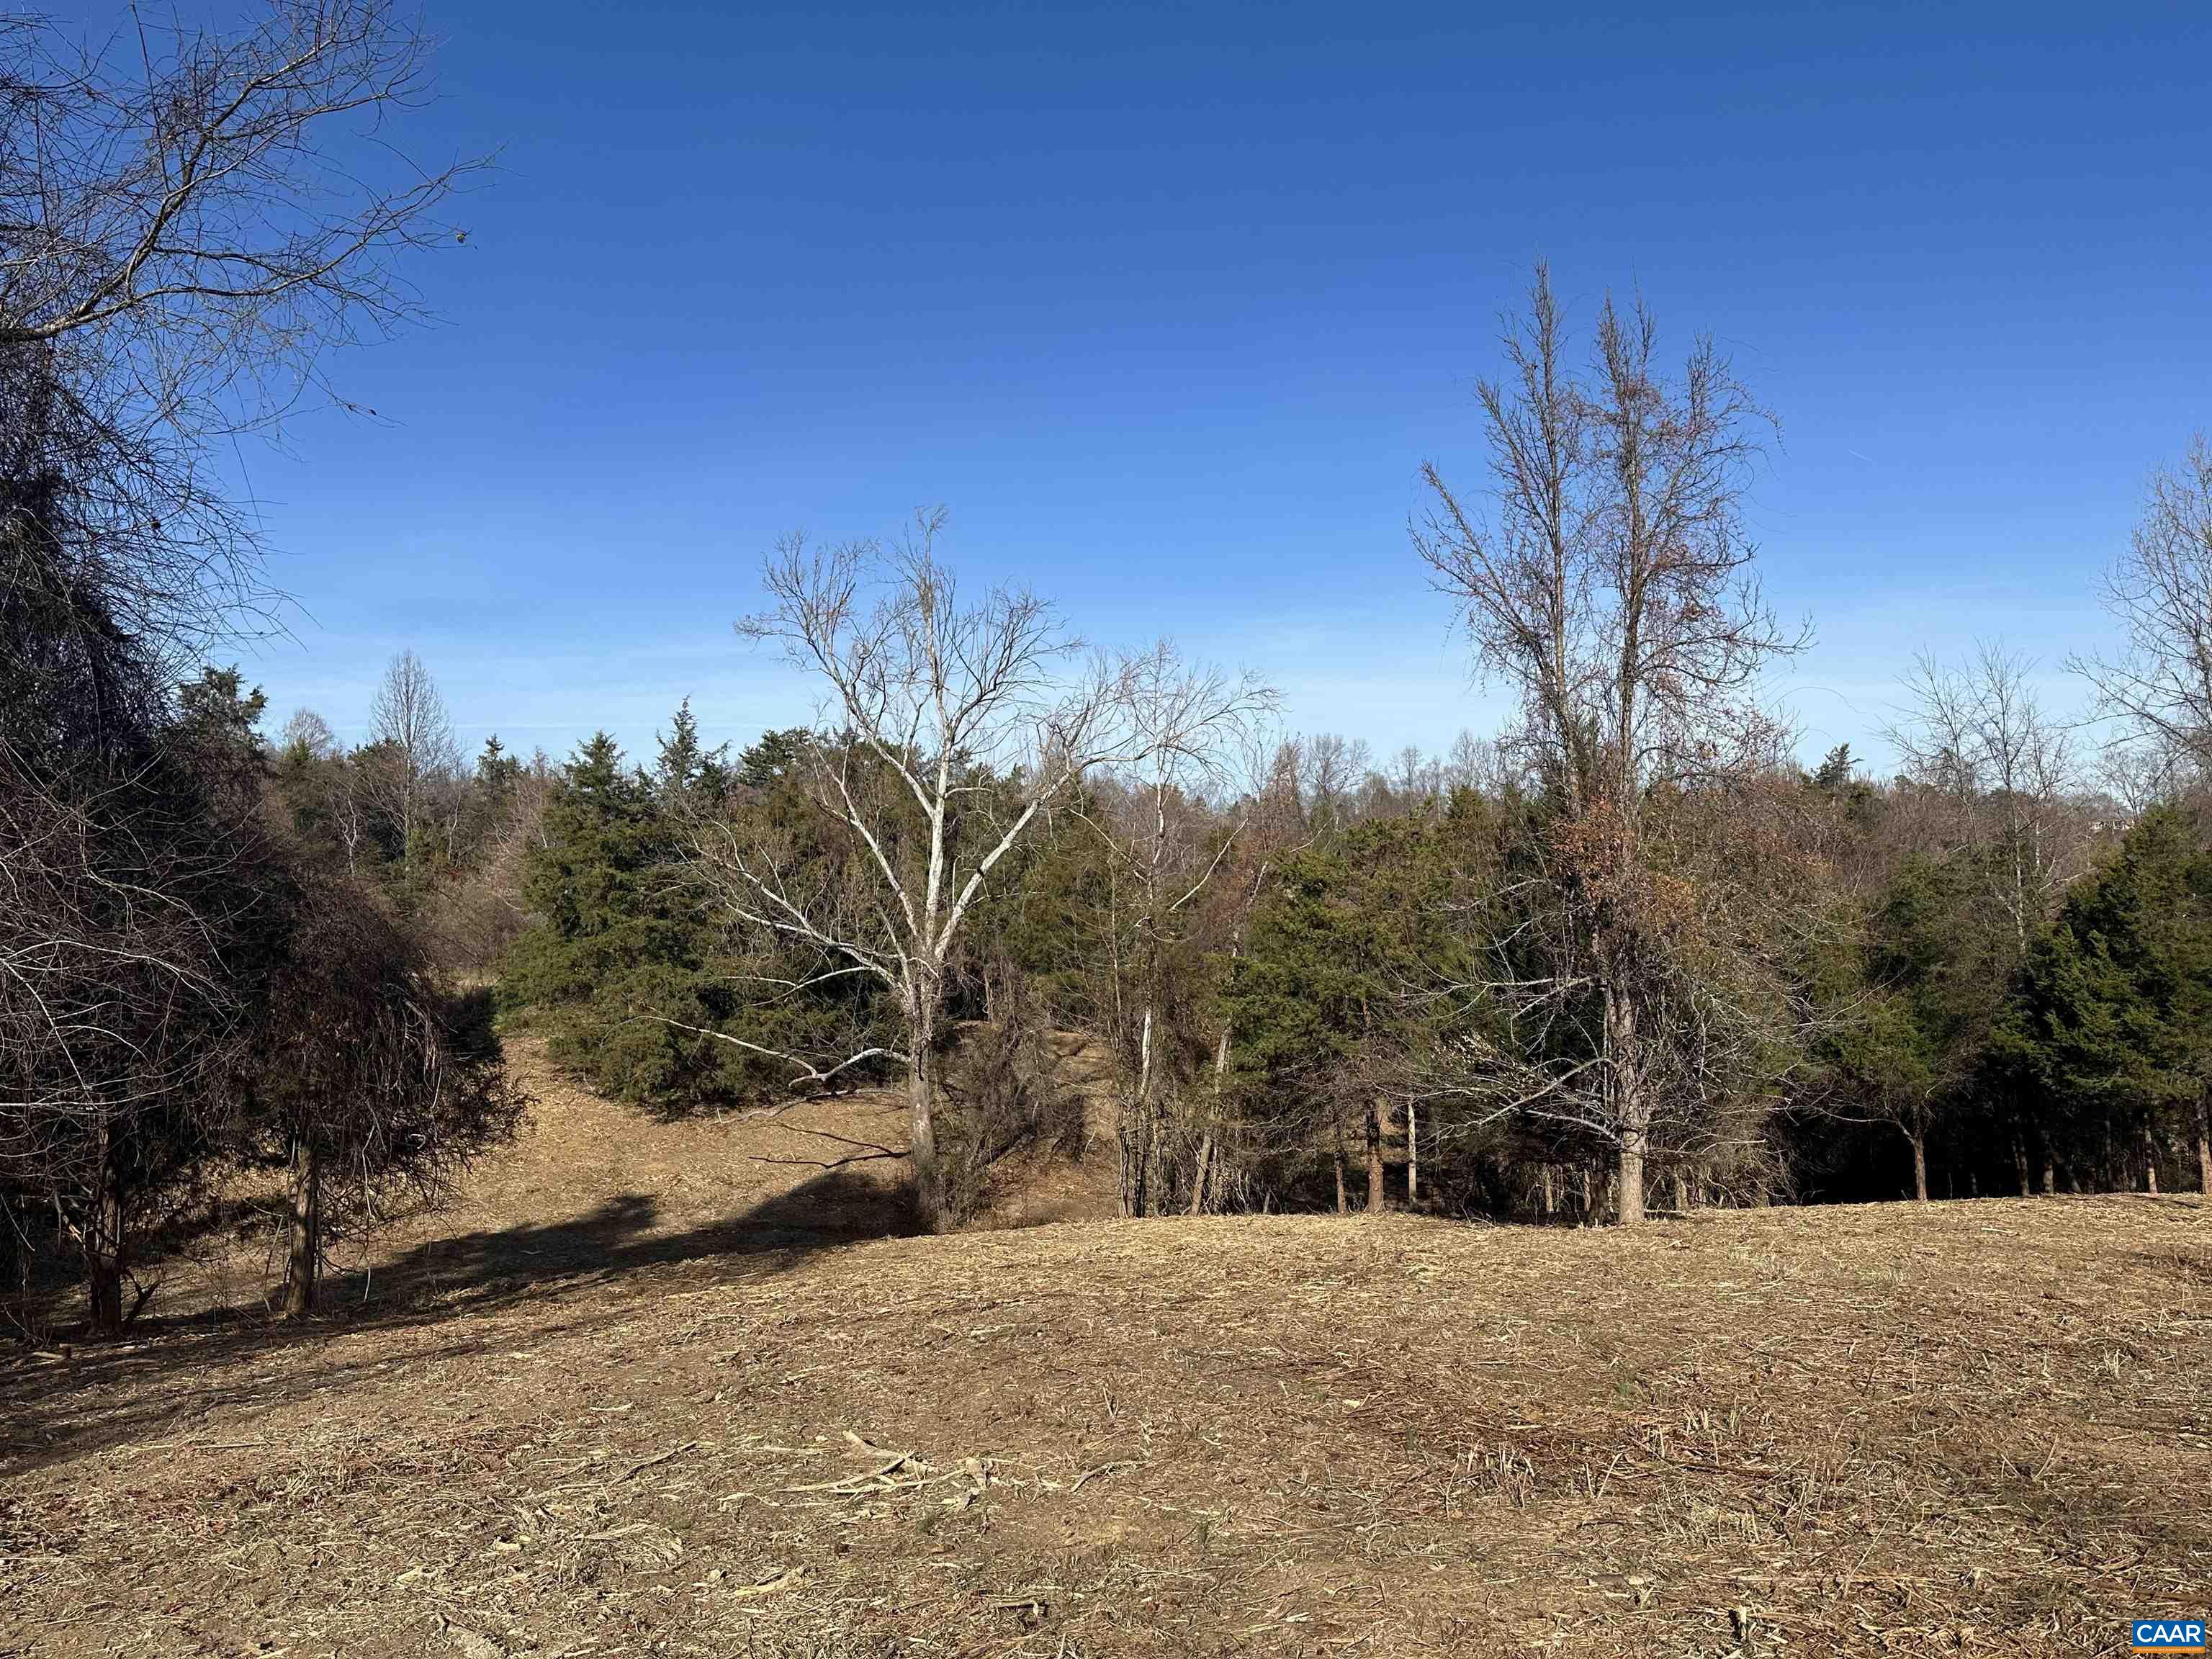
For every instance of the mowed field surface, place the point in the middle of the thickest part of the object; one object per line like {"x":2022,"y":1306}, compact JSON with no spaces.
{"x":642,"y":1394}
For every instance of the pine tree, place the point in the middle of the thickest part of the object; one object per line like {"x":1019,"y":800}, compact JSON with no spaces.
{"x":1328,"y":998}
{"x":636,"y":979}
{"x":2112,"y":1026}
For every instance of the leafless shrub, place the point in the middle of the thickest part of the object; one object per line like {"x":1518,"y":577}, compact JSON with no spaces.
{"x":365,"y":1079}
{"x":1010,"y":1089}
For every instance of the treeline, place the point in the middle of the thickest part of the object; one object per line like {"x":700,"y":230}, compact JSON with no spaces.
{"x":1957,"y":987}
{"x":1627,"y":952}
{"x":441,"y":837}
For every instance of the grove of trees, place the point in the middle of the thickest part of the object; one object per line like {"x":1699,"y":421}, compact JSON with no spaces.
{"x":1628,"y":951}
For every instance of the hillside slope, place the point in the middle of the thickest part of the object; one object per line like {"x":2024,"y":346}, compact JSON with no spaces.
{"x":816,"y":1166}
{"x":594,"y":1186}
{"x":591,"y":1427}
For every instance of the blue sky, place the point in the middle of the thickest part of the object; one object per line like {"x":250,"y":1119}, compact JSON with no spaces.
{"x":1167,"y":303}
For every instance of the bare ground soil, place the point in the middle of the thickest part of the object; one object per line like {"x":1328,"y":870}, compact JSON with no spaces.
{"x":642,"y":1394}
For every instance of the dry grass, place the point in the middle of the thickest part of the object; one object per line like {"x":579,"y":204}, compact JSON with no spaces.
{"x":577,"y":1429}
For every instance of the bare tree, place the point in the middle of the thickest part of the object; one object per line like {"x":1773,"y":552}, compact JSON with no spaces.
{"x":1977,"y":739}
{"x":2131,"y":778}
{"x":950,"y":728}
{"x":189,"y":220}
{"x":1475,"y":763}
{"x":309,"y":734}
{"x":1613,"y":591}
{"x":409,"y":719}
{"x":1333,"y":769}
{"x":2159,"y":684}
{"x":1189,"y":722}
{"x":1409,"y":776}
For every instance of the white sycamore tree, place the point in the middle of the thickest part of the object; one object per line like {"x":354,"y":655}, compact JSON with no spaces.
{"x":950,"y":727}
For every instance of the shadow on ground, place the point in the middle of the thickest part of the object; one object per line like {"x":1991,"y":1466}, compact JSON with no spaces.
{"x":470,"y":1272}
{"x":171,"y":1371}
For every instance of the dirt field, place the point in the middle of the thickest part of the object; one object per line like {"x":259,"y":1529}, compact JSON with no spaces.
{"x":642,"y":1396}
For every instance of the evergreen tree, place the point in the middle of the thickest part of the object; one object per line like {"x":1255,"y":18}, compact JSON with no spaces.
{"x":640,"y":985}
{"x":1929,"y":983}
{"x":2112,"y":1026}
{"x":1336,"y":1000}
{"x":687,"y":774}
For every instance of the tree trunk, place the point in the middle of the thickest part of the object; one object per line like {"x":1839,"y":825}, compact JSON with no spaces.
{"x":1632,"y":1106}
{"x":1630,"y":1183}
{"x":1681,"y":1193}
{"x":1343,"y":1198}
{"x":1128,"y":1131}
{"x":1412,"y":1155}
{"x":2019,"y":1161}
{"x":1598,"y":1207}
{"x":2150,"y":1160}
{"x":1550,"y":1195}
{"x":1136,"y":1134}
{"x":303,"y":1231}
{"x":2051,"y":1175}
{"x":2203,"y":1150}
{"x":1147,"y":1130}
{"x":1208,"y":1154}
{"x":103,"y":1242}
{"x":922,"y":1121}
{"x":1377,"y":1199}
{"x":1919,"y":1165}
